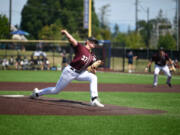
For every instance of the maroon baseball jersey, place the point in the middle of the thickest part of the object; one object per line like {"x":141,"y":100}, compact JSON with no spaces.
{"x":83,"y":57}
{"x":160,"y":60}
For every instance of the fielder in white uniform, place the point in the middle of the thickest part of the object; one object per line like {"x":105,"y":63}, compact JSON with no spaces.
{"x":76,"y":70}
{"x":160,"y":59}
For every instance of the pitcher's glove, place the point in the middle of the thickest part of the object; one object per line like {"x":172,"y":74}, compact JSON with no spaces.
{"x":172,"y":68}
{"x":94,"y":66}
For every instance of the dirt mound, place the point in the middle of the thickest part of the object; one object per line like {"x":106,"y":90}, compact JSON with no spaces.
{"x":20,"y":105}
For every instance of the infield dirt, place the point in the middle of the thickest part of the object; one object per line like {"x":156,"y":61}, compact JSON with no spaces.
{"x":29,"y":86}
{"x":49,"y":106}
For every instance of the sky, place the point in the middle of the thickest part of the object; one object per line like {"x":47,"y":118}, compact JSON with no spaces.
{"x":17,"y":6}
{"x":121,"y":12}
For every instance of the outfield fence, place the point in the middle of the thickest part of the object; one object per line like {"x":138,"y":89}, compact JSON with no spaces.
{"x":49,"y":55}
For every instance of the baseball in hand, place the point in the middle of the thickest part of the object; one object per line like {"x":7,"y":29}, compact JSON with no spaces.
{"x":63,"y":31}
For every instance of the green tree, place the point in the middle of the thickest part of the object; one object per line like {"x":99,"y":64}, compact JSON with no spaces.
{"x":106,"y":34}
{"x":116,"y":30}
{"x":134,"y":40}
{"x":145,"y":29}
{"x":120,"y":38}
{"x":131,"y":40}
{"x":167,"y":42}
{"x":4,"y":27}
{"x":52,"y":32}
{"x":37,"y":14}
{"x":103,"y":14}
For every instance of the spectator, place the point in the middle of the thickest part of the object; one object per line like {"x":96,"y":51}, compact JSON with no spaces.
{"x":25,"y":64}
{"x":40,"y":62}
{"x":5,"y":63}
{"x":21,"y":63}
{"x":11,"y":61}
{"x":32,"y":63}
{"x":18,"y":62}
{"x":46,"y":63}
{"x":0,"y":61}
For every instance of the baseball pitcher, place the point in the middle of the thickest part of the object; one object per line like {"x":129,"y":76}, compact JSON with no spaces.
{"x":77,"y":70}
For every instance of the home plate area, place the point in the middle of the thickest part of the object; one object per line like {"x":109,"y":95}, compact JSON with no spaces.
{"x":23,"y":105}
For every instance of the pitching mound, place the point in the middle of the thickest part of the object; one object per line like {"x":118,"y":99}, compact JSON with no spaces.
{"x":23,"y":105}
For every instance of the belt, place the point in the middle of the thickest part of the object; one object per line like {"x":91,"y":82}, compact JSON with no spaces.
{"x":160,"y":65}
{"x":75,"y":70}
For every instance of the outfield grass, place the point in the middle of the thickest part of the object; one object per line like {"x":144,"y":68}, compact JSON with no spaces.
{"x":53,"y":76}
{"x":88,"y":125}
{"x":165,"y":124}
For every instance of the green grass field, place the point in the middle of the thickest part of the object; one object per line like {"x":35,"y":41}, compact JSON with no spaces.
{"x":165,"y":124}
{"x":53,"y":76}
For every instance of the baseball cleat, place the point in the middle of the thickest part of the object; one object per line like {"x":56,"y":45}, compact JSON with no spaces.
{"x":35,"y":93}
{"x":95,"y":102}
{"x":169,"y":84}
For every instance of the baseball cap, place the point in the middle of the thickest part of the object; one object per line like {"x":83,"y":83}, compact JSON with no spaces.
{"x":93,"y":39}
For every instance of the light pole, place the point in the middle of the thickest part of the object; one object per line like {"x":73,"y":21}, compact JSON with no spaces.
{"x":90,"y":19}
{"x":177,"y":25}
{"x":87,"y":16}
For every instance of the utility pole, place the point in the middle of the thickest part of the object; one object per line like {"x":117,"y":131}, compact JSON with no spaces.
{"x":10,"y":10}
{"x":148,"y":27}
{"x":177,"y":24}
{"x":136,"y":14}
{"x":147,"y":14}
{"x":148,"y":33}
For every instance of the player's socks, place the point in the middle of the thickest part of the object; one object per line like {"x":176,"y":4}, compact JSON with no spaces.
{"x":92,"y":99}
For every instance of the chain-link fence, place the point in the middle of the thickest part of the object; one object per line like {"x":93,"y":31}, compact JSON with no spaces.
{"x":33,"y":55}
{"x":119,"y":59}
{"x":54,"y":55}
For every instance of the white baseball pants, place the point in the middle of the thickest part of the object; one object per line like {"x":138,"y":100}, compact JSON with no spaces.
{"x":166,"y":71}
{"x":67,"y":76}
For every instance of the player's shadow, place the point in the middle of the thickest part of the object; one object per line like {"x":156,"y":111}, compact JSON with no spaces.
{"x":63,"y":101}
{"x":71,"y":102}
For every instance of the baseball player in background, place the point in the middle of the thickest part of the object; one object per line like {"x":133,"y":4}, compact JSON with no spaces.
{"x":131,"y":58}
{"x":76,"y":70}
{"x":161,"y":58}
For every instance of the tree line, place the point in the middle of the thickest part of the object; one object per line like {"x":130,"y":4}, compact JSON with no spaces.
{"x":44,"y":19}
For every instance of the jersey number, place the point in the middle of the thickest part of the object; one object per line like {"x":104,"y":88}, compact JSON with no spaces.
{"x":84,"y":58}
